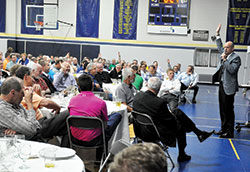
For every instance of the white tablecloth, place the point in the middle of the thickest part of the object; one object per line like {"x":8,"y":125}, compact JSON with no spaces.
{"x":110,"y":88}
{"x":122,"y":130}
{"x":73,"y":164}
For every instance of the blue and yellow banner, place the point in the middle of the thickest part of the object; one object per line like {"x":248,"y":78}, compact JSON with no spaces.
{"x":238,"y":24}
{"x":87,"y":19}
{"x":125,"y":19}
{"x":2,"y":15}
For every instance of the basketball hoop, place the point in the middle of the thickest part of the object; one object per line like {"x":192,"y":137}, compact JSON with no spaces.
{"x":38,"y":25}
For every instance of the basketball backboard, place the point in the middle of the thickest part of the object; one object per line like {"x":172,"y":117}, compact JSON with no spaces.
{"x":46,"y":13}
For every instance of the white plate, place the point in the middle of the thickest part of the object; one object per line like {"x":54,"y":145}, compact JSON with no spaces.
{"x":61,"y":153}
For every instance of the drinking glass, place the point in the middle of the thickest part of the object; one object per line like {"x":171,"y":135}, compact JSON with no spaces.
{"x":24,"y":152}
{"x":49,"y":156}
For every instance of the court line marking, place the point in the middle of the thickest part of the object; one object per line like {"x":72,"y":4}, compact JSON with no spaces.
{"x":235,"y":152}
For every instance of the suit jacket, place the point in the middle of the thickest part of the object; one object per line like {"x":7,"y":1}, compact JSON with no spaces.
{"x":148,"y":103}
{"x":49,"y":83}
{"x":230,"y":73}
{"x":103,"y":77}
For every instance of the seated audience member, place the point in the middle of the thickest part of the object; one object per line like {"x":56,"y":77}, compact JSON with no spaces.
{"x":143,"y":71}
{"x":1,"y":55}
{"x":56,"y":66}
{"x":75,"y":63}
{"x":38,"y":102}
{"x":3,"y":73}
{"x":83,"y":67}
{"x":126,"y":91}
{"x":64,"y":78}
{"x":32,"y":61}
{"x":87,"y":104}
{"x":112,"y":65}
{"x":116,"y":73}
{"x":152,"y":72}
{"x":158,"y":68}
{"x":102,"y":76}
{"x":189,"y":80}
{"x":23,"y":60}
{"x":12,"y":62}
{"x":171,"y":126}
{"x":176,"y":72}
{"x":138,"y":79}
{"x":6,"y":60}
{"x":36,"y":71}
{"x":142,"y":157}
{"x":170,"y":90}
{"x":14,"y":117}
{"x":92,"y":72}
{"x":13,"y":69}
{"x":105,"y":66}
{"x":45,"y":75}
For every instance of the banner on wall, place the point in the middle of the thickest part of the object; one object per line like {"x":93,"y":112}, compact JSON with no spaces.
{"x":238,"y":24}
{"x":87,"y":19}
{"x":31,"y":11}
{"x":168,"y":16}
{"x":125,"y":19}
{"x":2,"y":15}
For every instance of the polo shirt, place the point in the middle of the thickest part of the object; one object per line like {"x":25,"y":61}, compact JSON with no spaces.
{"x":87,"y":104}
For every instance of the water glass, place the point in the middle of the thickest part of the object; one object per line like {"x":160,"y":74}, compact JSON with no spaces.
{"x":24,"y":152}
{"x":49,"y":156}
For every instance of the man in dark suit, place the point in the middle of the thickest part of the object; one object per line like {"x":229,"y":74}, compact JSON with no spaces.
{"x":102,"y":76}
{"x":227,"y":75}
{"x":171,"y":126}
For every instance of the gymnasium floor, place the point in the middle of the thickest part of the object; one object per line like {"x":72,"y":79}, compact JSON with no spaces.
{"x":214,"y":154}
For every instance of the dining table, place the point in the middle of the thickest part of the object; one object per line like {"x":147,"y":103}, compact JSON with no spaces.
{"x":65,"y":158}
{"x":122,"y":130}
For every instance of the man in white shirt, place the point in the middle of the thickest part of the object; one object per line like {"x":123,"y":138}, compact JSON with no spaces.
{"x":170,"y":90}
{"x":189,"y":80}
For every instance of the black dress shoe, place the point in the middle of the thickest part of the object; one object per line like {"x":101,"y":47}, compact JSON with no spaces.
{"x":219,"y":132}
{"x":194,"y":101}
{"x":205,"y":135}
{"x":183,"y":158}
{"x":227,"y":135}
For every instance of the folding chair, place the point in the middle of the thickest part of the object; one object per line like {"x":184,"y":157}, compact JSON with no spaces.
{"x":86,"y":123}
{"x":184,"y":96}
{"x":146,"y":121}
{"x":116,"y":148}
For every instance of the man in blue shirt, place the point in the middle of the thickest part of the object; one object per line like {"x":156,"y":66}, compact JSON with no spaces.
{"x":189,"y":80}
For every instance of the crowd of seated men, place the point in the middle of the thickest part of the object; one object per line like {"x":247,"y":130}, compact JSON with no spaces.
{"x":27,"y":80}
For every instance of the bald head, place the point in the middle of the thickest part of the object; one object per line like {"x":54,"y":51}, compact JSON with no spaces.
{"x":228,"y":47}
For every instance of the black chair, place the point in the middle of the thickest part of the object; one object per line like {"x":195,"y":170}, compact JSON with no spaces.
{"x":87,"y":123}
{"x":115,"y":148}
{"x":145,"y":121}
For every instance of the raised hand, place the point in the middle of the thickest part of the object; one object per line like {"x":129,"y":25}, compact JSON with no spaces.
{"x":218,"y":30}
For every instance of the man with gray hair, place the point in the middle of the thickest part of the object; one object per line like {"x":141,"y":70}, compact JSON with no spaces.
{"x":126,"y":91}
{"x":92,"y":72}
{"x":116,"y":73}
{"x":14,"y":117}
{"x":171,"y":126}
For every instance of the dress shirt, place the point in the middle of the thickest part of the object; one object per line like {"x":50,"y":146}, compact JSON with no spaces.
{"x":172,"y":86}
{"x":188,"y":79}
{"x":149,"y":75}
{"x":9,"y":65}
{"x":62,"y":81}
{"x":15,"y":117}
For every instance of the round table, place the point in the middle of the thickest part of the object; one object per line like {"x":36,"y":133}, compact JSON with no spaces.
{"x":36,"y":163}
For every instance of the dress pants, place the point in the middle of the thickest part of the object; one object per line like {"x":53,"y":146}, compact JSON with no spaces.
{"x":195,"y":88}
{"x":185,"y":125}
{"x":226,"y":103}
{"x":172,"y":100}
